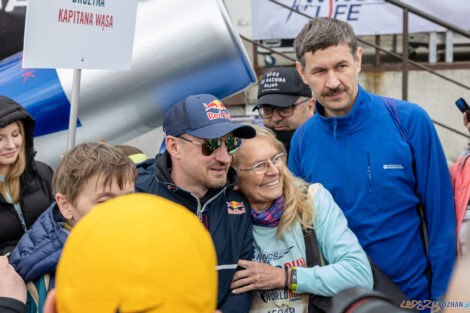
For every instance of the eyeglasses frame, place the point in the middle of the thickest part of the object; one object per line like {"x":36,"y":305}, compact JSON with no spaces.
{"x":278,"y":109}
{"x":277,"y":156}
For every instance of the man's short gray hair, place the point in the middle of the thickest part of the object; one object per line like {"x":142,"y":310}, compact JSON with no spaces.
{"x":321,"y":33}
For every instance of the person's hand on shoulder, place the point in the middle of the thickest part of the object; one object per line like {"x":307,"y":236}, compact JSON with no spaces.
{"x":257,"y":276}
{"x":11,"y":284}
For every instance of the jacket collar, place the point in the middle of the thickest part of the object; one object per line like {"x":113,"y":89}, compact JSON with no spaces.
{"x":348,"y":123}
{"x":465,"y":155}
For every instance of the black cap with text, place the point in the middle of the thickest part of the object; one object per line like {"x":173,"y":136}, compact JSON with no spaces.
{"x":281,"y":87}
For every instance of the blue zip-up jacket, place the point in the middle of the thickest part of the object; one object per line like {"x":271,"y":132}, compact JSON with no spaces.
{"x":365,"y":163}
{"x":38,"y":253}
{"x":225,"y":214}
{"x":39,"y":249}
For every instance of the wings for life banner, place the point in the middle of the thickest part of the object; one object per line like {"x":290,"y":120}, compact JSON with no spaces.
{"x":367,"y":17}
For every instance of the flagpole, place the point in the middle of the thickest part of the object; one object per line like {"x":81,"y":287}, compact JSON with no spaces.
{"x":74,"y":108}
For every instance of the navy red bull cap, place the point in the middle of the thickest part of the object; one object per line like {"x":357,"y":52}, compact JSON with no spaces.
{"x":203,"y":116}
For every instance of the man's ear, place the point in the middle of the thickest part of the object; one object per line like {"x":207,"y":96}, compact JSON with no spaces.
{"x":301,"y":71}
{"x":64,"y":205}
{"x":173,"y":146}
{"x":49,"y":304}
{"x":311,"y":107}
{"x":358,"y":59}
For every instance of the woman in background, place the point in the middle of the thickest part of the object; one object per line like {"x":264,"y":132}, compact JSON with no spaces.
{"x":25,"y":184}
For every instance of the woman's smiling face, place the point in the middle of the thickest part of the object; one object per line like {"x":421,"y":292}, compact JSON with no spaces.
{"x":11,"y":142}
{"x":261,"y":190}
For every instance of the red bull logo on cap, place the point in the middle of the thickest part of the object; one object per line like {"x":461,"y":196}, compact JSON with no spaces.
{"x":234,"y":207}
{"x":217,"y":105}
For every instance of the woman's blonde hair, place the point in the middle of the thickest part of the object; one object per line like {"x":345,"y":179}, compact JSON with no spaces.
{"x":12,"y":180}
{"x":297,"y":204}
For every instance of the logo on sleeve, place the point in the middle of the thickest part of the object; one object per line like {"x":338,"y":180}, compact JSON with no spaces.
{"x":234,"y":207}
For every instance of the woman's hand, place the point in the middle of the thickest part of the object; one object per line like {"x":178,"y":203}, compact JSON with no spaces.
{"x":257,"y":276}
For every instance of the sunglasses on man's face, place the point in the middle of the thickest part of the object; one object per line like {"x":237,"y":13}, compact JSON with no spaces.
{"x":209,"y":146}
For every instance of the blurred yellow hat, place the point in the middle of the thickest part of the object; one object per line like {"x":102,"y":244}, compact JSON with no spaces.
{"x":137,"y":253}
{"x":138,"y":158}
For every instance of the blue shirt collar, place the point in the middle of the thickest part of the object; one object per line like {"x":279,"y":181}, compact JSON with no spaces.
{"x":352,"y":120}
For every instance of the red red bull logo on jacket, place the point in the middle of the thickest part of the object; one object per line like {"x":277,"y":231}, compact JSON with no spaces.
{"x":234,"y":207}
{"x":219,"y":108}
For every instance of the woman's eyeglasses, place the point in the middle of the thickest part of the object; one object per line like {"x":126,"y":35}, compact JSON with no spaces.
{"x":262,"y":167}
{"x":209,"y":146}
{"x":267,"y":111}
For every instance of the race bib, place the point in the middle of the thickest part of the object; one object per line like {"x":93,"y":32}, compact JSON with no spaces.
{"x":279,"y":301}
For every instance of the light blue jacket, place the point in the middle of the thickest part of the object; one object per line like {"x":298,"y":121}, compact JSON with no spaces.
{"x":346,"y":263}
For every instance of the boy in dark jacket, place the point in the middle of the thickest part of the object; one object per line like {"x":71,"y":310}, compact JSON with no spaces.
{"x":195,"y":172}
{"x":88,"y":174}
{"x":105,"y":278}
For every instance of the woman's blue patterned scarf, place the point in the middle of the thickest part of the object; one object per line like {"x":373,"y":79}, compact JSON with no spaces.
{"x":271,"y":216}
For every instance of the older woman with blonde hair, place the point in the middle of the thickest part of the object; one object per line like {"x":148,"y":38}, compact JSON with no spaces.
{"x":284,"y":208}
{"x":25,"y":184}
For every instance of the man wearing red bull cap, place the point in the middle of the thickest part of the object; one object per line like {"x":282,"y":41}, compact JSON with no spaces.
{"x":195,"y":171}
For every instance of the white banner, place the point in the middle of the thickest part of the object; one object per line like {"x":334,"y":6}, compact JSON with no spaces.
{"x":92,"y":34}
{"x":367,"y":17}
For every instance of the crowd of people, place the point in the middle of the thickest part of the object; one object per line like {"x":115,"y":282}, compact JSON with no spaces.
{"x":232,"y":217}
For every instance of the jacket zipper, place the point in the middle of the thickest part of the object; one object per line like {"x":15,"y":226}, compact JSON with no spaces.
{"x":20,"y":213}
{"x":369,"y":172}
{"x":200,"y":209}
{"x":335,"y":126}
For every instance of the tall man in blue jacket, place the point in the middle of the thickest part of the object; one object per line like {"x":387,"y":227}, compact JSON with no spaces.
{"x":195,"y":172}
{"x":372,"y":154}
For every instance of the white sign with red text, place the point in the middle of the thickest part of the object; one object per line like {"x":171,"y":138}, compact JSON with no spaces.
{"x":367,"y":17}
{"x":79,"y":34}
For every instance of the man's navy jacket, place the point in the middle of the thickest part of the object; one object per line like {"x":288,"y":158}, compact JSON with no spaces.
{"x":225,"y":214}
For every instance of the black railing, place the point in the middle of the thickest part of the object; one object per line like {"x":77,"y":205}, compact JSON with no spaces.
{"x":405,"y":61}
{"x":430,"y":17}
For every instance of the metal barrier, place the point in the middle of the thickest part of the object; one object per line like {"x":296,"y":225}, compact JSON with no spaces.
{"x":406,"y":9}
